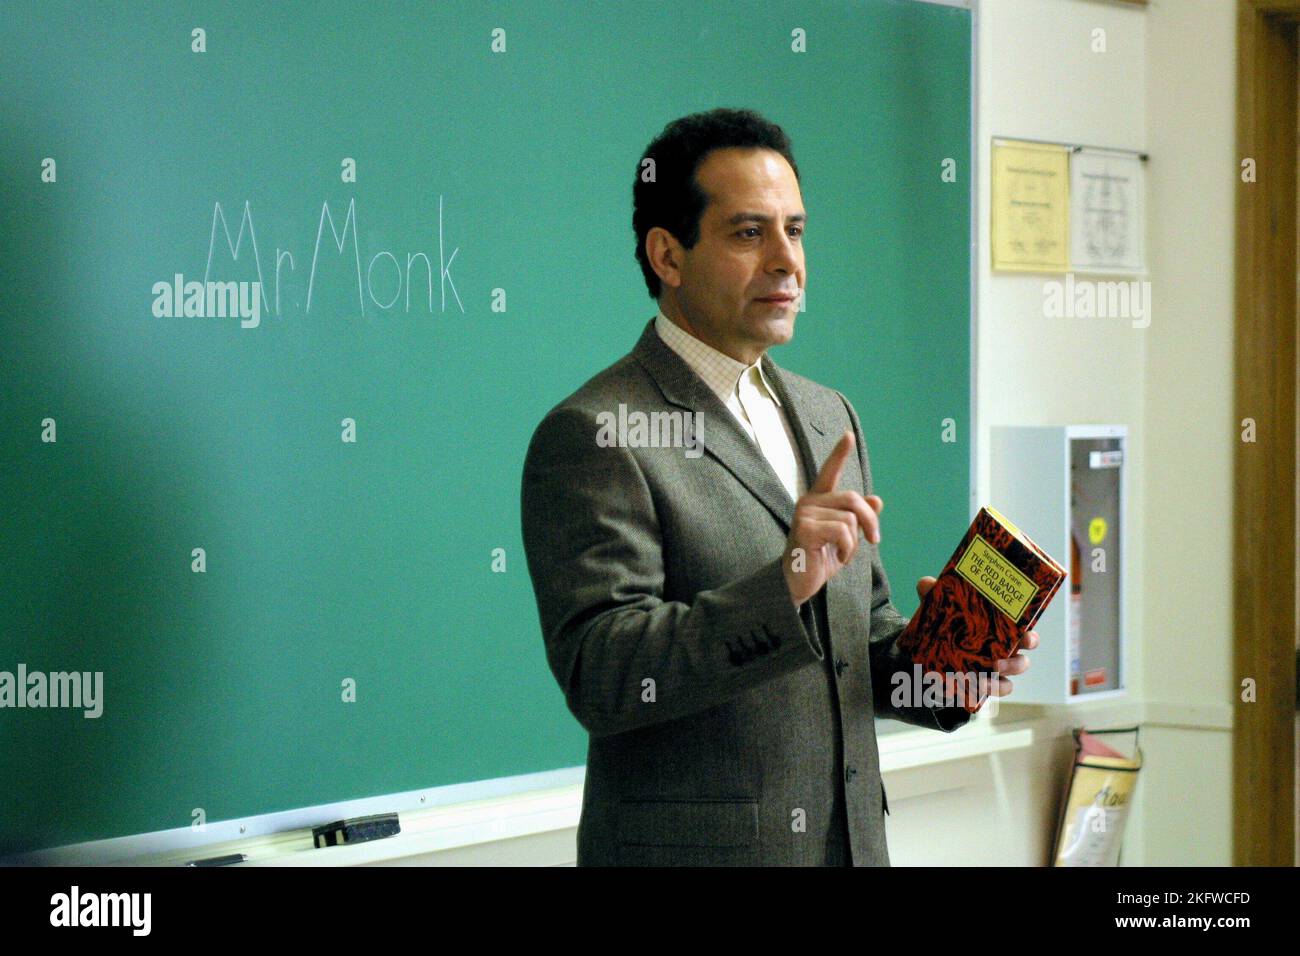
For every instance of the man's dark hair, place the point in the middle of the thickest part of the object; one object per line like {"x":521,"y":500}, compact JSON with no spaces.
{"x":673,"y":200}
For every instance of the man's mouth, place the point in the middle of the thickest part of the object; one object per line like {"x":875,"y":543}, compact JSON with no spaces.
{"x":783,"y":297}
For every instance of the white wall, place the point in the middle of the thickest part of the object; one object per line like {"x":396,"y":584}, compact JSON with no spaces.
{"x":1165,"y":85}
{"x":1191,"y":97}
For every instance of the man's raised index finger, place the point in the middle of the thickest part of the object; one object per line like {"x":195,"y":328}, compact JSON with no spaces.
{"x":829,"y":476}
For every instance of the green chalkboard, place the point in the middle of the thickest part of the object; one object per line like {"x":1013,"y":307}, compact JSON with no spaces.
{"x":492,"y":187}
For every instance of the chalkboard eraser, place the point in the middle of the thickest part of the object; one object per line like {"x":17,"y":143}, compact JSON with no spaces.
{"x":356,"y":830}
{"x":219,"y":860}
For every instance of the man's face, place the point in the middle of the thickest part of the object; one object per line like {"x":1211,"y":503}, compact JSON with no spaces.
{"x":750,"y":248}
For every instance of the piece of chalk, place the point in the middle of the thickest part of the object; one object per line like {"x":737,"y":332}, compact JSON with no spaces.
{"x":219,"y":860}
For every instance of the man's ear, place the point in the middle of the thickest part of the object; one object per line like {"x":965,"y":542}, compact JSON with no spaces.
{"x":665,"y":255}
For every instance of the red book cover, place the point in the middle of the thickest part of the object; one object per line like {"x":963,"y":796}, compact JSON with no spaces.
{"x":988,"y":596}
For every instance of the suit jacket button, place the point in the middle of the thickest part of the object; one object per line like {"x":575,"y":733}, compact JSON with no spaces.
{"x":841,"y":665}
{"x":848,"y":773}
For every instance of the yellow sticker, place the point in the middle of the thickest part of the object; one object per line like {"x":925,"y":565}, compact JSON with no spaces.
{"x":1097,"y":530}
{"x":996,"y":578}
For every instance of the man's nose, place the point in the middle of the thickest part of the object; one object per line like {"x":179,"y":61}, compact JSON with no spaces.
{"x":784,"y":256}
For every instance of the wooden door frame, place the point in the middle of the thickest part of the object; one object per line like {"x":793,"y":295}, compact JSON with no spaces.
{"x":1264,"y":365}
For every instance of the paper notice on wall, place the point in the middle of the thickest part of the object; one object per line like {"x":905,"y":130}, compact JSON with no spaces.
{"x":1029,"y":219}
{"x":1092,"y":837}
{"x":1106,"y":212}
{"x":1098,"y":794}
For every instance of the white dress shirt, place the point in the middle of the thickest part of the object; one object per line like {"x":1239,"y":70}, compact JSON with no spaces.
{"x":748,"y":395}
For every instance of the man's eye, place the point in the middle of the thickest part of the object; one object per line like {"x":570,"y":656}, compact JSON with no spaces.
{"x":796,"y":232}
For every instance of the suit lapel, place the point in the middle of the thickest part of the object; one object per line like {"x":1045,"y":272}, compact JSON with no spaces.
{"x":724,"y":439}
{"x":805,"y":421}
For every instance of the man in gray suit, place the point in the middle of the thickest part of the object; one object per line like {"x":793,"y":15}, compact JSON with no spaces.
{"x":692,"y":518}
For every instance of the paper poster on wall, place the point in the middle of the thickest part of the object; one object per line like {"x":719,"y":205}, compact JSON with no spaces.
{"x":1030,"y":213}
{"x":1106,"y":214}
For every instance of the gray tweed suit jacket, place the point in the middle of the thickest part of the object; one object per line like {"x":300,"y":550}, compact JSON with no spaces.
{"x":726,"y":728}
